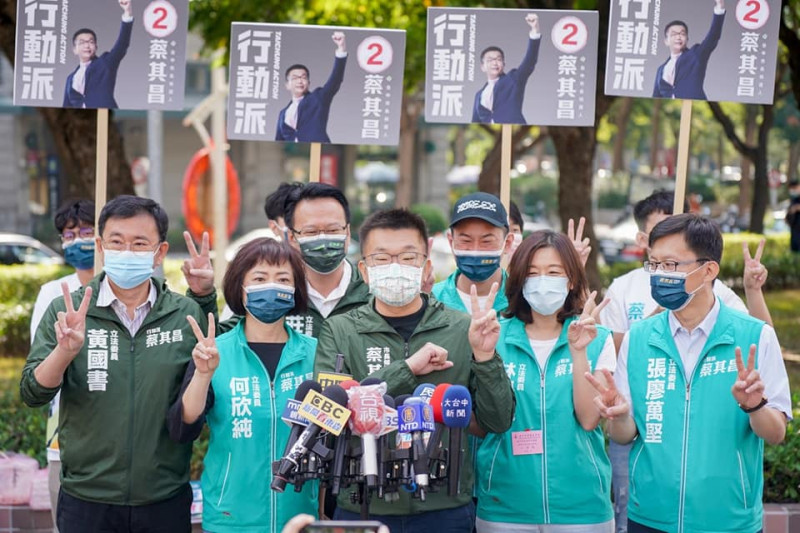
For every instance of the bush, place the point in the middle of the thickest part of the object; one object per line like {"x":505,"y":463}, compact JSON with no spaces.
{"x":783,"y":266}
{"x":21,"y":283}
{"x":782,"y":463}
{"x":433,"y":216}
{"x":22,"y":428}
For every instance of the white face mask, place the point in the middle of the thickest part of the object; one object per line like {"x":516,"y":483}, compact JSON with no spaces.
{"x":515,"y":243}
{"x":394,"y":284}
{"x":545,"y":294}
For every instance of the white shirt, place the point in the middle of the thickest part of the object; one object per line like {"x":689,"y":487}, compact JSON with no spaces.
{"x":79,"y":79}
{"x":290,"y":117}
{"x":466,"y":299}
{"x":690,"y":345}
{"x":543,"y":348}
{"x":106,"y":297}
{"x":325,"y":304}
{"x":487,"y":96}
{"x":631,"y":300}
{"x":668,"y":74}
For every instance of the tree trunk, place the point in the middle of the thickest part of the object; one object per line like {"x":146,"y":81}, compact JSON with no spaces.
{"x":460,"y":146}
{"x":746,"y":183}
{"x":655,"y":136}
{"x":621,"y":122}
{"x":794,"y":160}
{"x":791,"y":39}
{"x":761,"y":181}
{"x":407,"y":152}
{"x":575,"y":149}
{"x":489,"y":178}
{"x":74,"y":133}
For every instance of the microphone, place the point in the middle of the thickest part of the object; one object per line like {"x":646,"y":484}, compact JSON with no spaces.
{"x":368,"y":407}
{"x":456,"y":412}
{"x":324,"y":411}
{"x":389,"y":425}
{"x":416,"y":417}
{"x":290,"y":413}
{"x":425,"y":391}
{"x":340,"y":448}
{"x":436,"y":406}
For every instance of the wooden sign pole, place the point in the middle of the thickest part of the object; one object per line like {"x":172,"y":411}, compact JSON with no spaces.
{"x":100,"y":176}
{"x":314,"y":162}
{"x":684,"y":138}
{"x":505,"y":167}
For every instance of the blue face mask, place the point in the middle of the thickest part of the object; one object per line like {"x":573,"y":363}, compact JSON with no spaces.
{"x":545,"y":294}
{"x":269,"y":302}
{"x":669,"y":289}
{"x":80,"y":253}
{"x":127,"y":269}
{"x":478,"y":266}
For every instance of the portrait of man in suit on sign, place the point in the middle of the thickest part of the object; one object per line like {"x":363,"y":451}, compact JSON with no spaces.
{"x":92,"y":83}
{"x":305,"y":117}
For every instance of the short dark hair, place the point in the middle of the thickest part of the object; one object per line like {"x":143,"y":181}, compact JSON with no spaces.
{"x":393,"y":219}
{"x":515,"y":215}
{"x":263,"y":250}
{"x":702,"y":235}
{"x":73,"y":213}
{"x":314,"y":191}
{"x":275,"y":203}
{"x":518,"y":272}
{"x":296,"y":66}
{"x":794,"y":183}
{"x":127,"y":206}
{"x":676,"y":23}
{"x":661,"y":201}
{"x":84,"y":30}
{"x":492,"y":49}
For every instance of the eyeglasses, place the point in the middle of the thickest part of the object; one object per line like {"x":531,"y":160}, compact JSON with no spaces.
{"x":403,"y":258}
{"x":67,"y":236}
{"x":82,"y":42}
{"x":315,"y":232}
{"x":668,"y":266}
{"x":140,"y":248}
{"x":677,"y":33}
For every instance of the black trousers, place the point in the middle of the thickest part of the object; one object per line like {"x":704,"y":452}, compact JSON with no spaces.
{"x":636,"y":527}
{"x":172,"y":515}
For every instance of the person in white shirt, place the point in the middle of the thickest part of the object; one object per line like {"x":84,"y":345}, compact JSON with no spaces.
{"x":74,"y":221}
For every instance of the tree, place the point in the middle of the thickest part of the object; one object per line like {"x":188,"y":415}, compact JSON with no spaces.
{"x":789,"y":35}
{"x":74,"y":132}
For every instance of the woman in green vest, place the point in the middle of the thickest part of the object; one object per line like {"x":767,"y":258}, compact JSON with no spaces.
{"x":239,"y":384}
{"x":550,"y":472}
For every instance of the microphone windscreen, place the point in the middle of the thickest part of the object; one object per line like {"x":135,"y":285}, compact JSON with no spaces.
{"x":400,"y":400}
{"x":336,"y":394}
{"x":388,"y":401}
{"x":436,"y":401}
{"x":348,"y":384}
{"x":304,"y":387}
{"x":456,"y":407}
{"x":424,"y":391}
{"x":370,"y":381}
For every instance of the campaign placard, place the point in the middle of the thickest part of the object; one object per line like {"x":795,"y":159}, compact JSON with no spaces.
{"x":126,"y":54}
{"x":717,"y":50}
{"x":324,"y":84}
{"x":511,"y":66}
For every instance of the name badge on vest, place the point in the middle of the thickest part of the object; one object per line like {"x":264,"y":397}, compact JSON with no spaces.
{"x":527,"y":442}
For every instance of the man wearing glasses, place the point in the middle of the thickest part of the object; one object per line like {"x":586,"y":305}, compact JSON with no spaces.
{"x":703,"y":388}
{"x":405,"y":338}
{"x":117,"y":351}
{"x":683,"y":74}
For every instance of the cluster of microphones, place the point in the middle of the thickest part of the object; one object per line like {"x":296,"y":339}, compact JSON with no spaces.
{"x":342,"y":436}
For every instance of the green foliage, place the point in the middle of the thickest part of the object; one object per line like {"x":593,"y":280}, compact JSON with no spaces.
{"x":19,"y":282}
{"x":22,"y":429}
{"x":434,"y":218}
{"x":782,"y":463}
{"x":783,"y":266}
{"x":533,"y":189}
{"x":783,"y":307}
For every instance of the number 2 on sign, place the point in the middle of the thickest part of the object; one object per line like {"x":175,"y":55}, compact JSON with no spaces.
{"x":375,"y":54}
{"x":570,"y":35}
{"x":752,"y":14}
{"x":160,"y":18}
{"x":374,"y":58}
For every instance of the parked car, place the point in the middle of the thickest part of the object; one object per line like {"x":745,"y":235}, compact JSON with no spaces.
{"x":617,"y":243}
{"x":18,"y":249}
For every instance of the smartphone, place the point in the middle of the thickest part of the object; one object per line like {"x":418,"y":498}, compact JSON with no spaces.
{"x":343,"y":526}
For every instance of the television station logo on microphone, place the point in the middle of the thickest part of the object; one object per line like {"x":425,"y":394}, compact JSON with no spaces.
{"x":328,"y":415}
{"x":326,"y":379}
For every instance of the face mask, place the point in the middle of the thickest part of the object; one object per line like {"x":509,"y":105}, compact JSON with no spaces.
{"x":515,"y":243}
{"x":80,"y":253}
{"x":269,"y":302}
{"x":323,"y":253}
{"x":477,"y":266}
{"x":393,"y":284}
{"x":545,"y":294}
{"x":669,"y":290}
{"x":126,"y":269}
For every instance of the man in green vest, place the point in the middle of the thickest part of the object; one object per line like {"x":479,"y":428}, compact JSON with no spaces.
{"x":698,"y":409}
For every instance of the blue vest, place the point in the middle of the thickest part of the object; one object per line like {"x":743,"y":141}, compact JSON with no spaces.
{"x":570,"y":483}
{"x":696,"y":466}
{"x":247,"y":434}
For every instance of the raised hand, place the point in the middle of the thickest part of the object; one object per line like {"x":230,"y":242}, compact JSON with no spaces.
{"x":205,"y":354}
{"x":338,"y":39}
{"x":70,"y":325}
{"x":583,"y":331}
{"x":748,"y":390}
{"x":720,"y":4}
{"x":533,"y":21}
{"x":197,"y":270}
{"x":610,"y":402}
{"x":126,"y":6}
{"x":484,"y":329}
{"x":580,"y":243}
{"x":427,"y":359}
{"x":755,"y":274}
